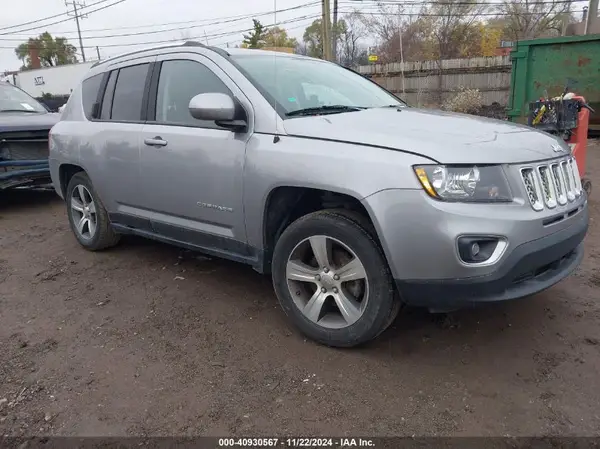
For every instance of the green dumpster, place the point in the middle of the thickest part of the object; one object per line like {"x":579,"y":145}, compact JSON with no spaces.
{"x":545,"y":66}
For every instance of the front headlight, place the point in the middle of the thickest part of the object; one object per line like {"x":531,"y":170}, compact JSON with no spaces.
{"x":464,"y":183}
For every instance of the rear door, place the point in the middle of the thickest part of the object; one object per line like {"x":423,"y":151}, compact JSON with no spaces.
{"x":114,"y":163}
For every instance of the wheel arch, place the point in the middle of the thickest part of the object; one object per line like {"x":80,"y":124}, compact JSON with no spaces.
{"x":286,"y":203}
{"x":65,"y":172}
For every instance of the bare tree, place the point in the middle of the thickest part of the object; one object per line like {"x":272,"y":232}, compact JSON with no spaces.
{"x":301,"y":49}
{"x":527,"y":19}
{"x":384,"y":23}
{"x":350,"y":32}
{"x":452,"y":24}
{"x":440,"y":30}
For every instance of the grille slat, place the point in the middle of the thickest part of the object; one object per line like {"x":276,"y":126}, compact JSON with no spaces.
{"x":549,"y":185}
{"x":559,"y":182}
{"x":548,"y":188}
{"x":24,"y":145}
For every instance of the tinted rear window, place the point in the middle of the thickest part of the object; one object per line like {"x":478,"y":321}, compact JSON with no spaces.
{"x":90,"y":89}
{"x":129,"y":93}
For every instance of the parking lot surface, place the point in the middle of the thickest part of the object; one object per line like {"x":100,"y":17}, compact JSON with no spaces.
{"x":146,"y":339}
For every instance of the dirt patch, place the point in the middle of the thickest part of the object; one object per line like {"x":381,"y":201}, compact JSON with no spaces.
{"x":146,"y":339}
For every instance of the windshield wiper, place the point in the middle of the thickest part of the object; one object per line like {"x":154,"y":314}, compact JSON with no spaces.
{"x":20,"y":110}
{"x":330,"y":109}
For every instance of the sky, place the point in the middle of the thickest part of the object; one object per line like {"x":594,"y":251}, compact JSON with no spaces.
{"x":218,"y":22}
{"x":119,"y":26}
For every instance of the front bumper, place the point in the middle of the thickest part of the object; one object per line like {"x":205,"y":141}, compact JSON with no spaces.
{"x":419,"y":238}
{"x":529,"y":269}
{"x":16,"y":173}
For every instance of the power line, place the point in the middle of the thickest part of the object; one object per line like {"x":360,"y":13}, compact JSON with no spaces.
{"x":465,"y":3}
{"x":203,"y":36}
{"x":198,"y":22}
{"x":212,"y":22}
{"x":419,"y":14}
{"x":231,"y":19}
{"x":48,"y":17}
{"x":293,"y":20}
{"x":278,"y":23}
{"x":65,"y":20}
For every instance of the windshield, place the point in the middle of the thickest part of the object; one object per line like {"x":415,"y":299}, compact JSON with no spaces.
{"x":293,"y":84}
{"x":13,"y":99}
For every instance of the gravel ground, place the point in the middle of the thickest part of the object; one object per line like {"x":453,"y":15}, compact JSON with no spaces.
{"x":148,"y":340}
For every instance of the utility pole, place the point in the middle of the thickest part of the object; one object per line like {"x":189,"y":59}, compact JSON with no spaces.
{"x":592,"y":16}
{"x":335,"y":31}
{"x":401,"y":48}
{"x":326,"y":30}
{"x":77,"y":16}
{"x":402,"y":61}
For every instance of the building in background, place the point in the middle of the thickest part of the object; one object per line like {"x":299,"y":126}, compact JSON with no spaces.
{"x":504,"y":49}
{"x":590,"y":22}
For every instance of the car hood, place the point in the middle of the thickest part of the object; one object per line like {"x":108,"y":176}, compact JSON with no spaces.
{"x":24,"y":121}
{"x":445,"y":137}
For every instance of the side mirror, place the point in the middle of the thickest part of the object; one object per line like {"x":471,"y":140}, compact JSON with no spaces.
{"x":217,"y":107}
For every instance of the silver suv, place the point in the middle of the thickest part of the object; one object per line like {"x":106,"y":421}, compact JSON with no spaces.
{"x":354,"y":202}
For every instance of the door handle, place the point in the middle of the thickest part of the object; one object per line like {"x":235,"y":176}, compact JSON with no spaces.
{"x":156,"y":142}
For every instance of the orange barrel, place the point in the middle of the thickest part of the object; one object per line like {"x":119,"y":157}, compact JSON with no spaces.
{"x":578,"y":140}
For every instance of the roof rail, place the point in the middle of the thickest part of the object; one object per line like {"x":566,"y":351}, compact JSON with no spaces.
{"x":193,"y":44}
{"x":220,"y":51}
{"x":217,"y":50}
{"x":128,"y":53}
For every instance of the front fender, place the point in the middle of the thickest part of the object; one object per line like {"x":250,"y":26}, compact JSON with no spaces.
{"x":354,"y":170}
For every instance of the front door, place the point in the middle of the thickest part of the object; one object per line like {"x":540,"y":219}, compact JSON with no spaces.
{"x":192,"y":170}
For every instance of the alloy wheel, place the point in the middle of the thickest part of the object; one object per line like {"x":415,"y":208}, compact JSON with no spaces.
{"x":327,"y":281}
{"x":83,"y":211}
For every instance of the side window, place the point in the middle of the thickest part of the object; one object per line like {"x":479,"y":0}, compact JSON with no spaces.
{"x":89,"y":93}
{"x":179,"y":82}
{"x":108,"y":95}
{"x":129,"y":93}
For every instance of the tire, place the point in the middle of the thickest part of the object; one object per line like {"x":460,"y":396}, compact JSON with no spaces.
{"x":378,"y":303}
{"x":103,"y":236}
{"x":587,"y":186}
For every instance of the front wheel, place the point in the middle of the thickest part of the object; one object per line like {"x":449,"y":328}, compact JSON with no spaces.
{"x":332,"y":280}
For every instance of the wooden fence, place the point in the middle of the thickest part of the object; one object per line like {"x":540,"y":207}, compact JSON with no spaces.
{"x":429,"y":83}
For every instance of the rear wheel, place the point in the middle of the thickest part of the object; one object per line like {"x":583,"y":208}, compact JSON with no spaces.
{"x":333,"y":281}
{"x":87,"y":216}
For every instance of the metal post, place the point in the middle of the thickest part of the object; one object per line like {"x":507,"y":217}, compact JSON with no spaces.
{"x":98,"y":52}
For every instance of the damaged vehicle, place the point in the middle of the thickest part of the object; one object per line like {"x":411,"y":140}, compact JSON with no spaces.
{"x":24,"y":127}
{"x":353,"y":202}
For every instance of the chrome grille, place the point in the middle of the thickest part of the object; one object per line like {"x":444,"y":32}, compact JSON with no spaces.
{"x":552,"y":183}
{"x":559,"y":184}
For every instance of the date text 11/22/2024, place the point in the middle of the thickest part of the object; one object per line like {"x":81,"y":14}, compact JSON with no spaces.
{"x":295,"y":442}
